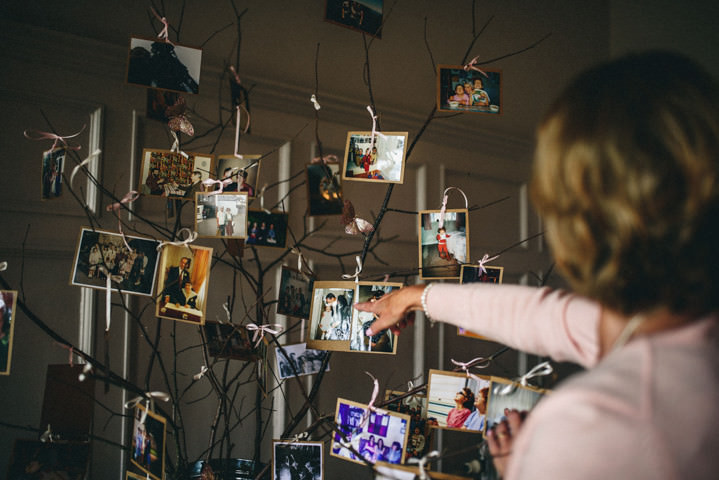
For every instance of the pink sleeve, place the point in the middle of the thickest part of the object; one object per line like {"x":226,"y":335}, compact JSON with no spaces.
{"x":540,"y":321}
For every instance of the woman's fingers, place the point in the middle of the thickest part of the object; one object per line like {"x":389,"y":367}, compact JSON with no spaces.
{"x":392,"y":309}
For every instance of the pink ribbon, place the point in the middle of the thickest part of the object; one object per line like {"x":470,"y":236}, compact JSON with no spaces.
{"x":222,"y":183}
{"x":261,"y":329}
{"x":443,"y":209}
{"x":39,"y":135}
{"x":472,"y":66}
{"x":70,"y":350}
{"x":370,"y":405}
{"x":355,"y":275}
{"x":479,"y":362}
{"x":235,"y":75}
{"x":164,"y":32}
{"x":325,"y":159}
{"x":486,"y":259}
{"x":130,"y":196}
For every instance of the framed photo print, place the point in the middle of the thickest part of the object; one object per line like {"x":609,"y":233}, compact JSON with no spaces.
{"x":184,"y":277}
{"x":133,"y":271}
{"x":227,"y":340}
{"x":331,"y":315}
{"x":8,"y":300}
{"x":381,"y":160}
{"x":36,"y":459}
{"x":242,"y":171}
{"x":443,"y":250}
{"x":361,"y":15}
{"x":456,"y":401}
{"x":53,"y":162}
{"x":469,"y":91}
{"x":164,"y":65}
{"x":221,"y":215}
{"x":292,"y":460}
{"x":173,"y":174}
{"x":266,"y":229}
{"x":299,"y":359}
{"x":133,"y":476}
{"x":324,"y":189}
{"x":384,"y":341}
{"x":382,"y":438}
{"x":505,"y":394}
{"x":476,"y":274}
{"x":295,"y":295}
{"x":148,"y":442}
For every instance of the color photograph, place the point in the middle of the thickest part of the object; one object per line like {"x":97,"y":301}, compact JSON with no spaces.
{"x":33,"y":459}
{"x":148,"y":442}
{"x":382,"y":342}
{"x":469,"y":91}
{"x":163,"y":65}
{"x":380,"y":161}
{"x":242,"y":173}
{"x":331,"y":315}
{"x":170,"y":174}
{"x":361,"y":15}
{"x":443,"y":250}
{"x":297,"y":460}
{"x":456,"y":401}
{"x":53,"y":162}
{"x":324,"y":189}
{"x":505,"y":395}
{"x":221,"y":215}
{"x":266,"y":229}
{"x":8,"y":300}
{"x":184,"y":278}
{"x":421,"y":435}
{"x":295,"y":297}
{"x":477,"y":274}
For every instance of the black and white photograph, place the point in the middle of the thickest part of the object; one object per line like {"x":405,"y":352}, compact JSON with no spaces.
{"x":457,"y":401}
{"x":266,"y":229}
{"x":297,"y":460}
{"x":164,"y":65}
{"x":53,"y":162}
{"x":477,"y":274}
{"x":8,"y":300}
{"x":505,"y":395}
{"x":295,"y":295}
{"x":148,"y":442}
{"x":100,"y":253}
{"x":33,"y":459}
{"x":221,"y":215}
{"x":443,"y":249}
{"x":324,"y":189}
{"x":378,"y":159}
{"x":460,"y":90}
{"x":299,"y":361}
{"x":239,"y":173}
{"x":330,"y":319}
{"x":361,"y":15}
{"x":382,"y":342}
{"x":183,"y":281}
{"x":169,"y":174}
{"x":382,"y":438}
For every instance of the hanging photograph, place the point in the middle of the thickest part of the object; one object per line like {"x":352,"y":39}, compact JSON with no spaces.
{"x":380,"y":160}
{"x":324,"y":189}
{"x":242,"y":173}
{"x":133,"y":476}
{"x":33,"y":459}
{"x":164,"y":65}
{"x":297,"y":460}
{"x":382,"y":438}
{"x":476,"y":274}
{"x":469,"y":91}
{"x":53,"y":161}
{"x":299,"y":361}
{"x":100,"y":253}
{"x":384,"y":471}
{"x":158,"y":101}
{"x":295,"y":295}
{"x":362,"y":15}
{"x":328,"y":327}
{"x":221,"y":215}
{"x":148,"y":442}
{"x":8,"y":299}
{"x":173,"y":174}
{"x":382,"y":342}
{"x":227,"y":340}
{"x":505,"y":395}
{"x":443,"y":250}
{"x":456,"y":401}
{"x":266,"y":229}
{"x":184,"y":278}
{"x":420,"y":434}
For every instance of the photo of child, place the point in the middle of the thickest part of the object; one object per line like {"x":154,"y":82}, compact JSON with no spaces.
{"x":468,"y":91}
{"x":443,"y":248}
{"x":378,"y":159}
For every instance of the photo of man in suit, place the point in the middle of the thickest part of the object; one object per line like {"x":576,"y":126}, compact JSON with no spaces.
{"x":176,"y":279}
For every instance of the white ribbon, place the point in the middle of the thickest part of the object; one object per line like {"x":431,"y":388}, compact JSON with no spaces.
{"x":176,"y":145}
{"x":299,"y":437}
{"x":374,"y":127}
{"x":226,"y":308}
{"x":262,"y":200}
{"x":422,"y":462}
{"x":109,"y":278}
{"x":261,"y":329}
{"x":358,"y":270}
{"x":486,"y":259}
{"x":370,"y":405}
{"x":472,"y":66}
{"x":314,"y":101}
{"x":479,"y":362}
{"x":149,"y":397}
{"x":47,"y":436}
{"x":129,"y":197}
{"x":3,"y":266}
{"x":203,"y":371}
{"x":85,"y":370}
{"x":83,"y":163}
{"x":191,"y":237}
{"x":443,"y":208}
{"x":542,"y":369}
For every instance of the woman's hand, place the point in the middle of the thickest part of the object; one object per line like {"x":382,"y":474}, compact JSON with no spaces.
{"x":501,"y":438}
{"x":394,"y":310}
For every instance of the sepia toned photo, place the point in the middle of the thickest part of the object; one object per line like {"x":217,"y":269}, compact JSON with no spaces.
{"x":457,"y":401}
{"x":239,"y":174}
{"x":330,"y":319}
{"x":324,"y":189}
{"x":266,"y":229}
{"x":53,"y":162}
{"x":295,"y":295}
{"x":170,"y":174}
{"x":379,"y":160}
{"x":382,"y":342}
{"x":298,"y":361}
{"x":297,"y":460}
{"x":148,"y":442}
{"x":477,"y":274}
{"x":221,"y":215}
{"x":164,"y":65}
{"x":8,"y":300}
{"x":443,"y":250}
{"x":227,"y":340}
{"x":460,"y":90}
{"x":184,"y":278}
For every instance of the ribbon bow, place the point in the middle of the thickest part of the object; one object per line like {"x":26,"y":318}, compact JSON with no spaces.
{"x":3,"y":266}
{"x":542,"y":369}
{"x":164,"y":32}
{"x":129,"y":197}
{"x":191,"y":237}
{"x":149,"y":397}
{"x":422,"y":463}
{"x":85,"y":370}
{"x":358,"y":270}
{"x":479,"y":362}
{"x":38,"y":135}
{"x":314,"y":101}
{"x":486,"y":259}
{"x":353,"y":224}
{"x":203,"y":371}
{"x":472,"y":66}
{"x":261,"y":329}
{"x":300,"y":437}
{"x":370,"y":405}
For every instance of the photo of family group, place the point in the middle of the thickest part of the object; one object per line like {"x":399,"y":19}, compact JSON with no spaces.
{"x":457,"y":401}
{"x":183,"y":282}
{"x":148,"y":442}
{"x":295,"y":295}
{"x":101,"y":253}
{"x":266,"y":229}
{"x":239,"y":173}
{"x":8,"y":299}
{"x":375,"y":159}
{"x":443,"y":249}
{"x":53,"y":162}
{"x":382,"y":342}
{"x":298,"y":361}
{"x":169,"y":174}
{"x":164,"y":65}
{"x":468,"y":90}
{"x":331,"y":316}
{"x":477,"y":274}
{"x":221,"y":215}
{"x":297,"y":460}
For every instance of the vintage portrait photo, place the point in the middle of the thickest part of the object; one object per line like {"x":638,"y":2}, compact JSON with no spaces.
{"x":299,"y":359}
{"x":266,"y":229}
{"x":443,"y":250}
{"x":158,"y":101}
{"x":242,"y":173}
{"x":148,"y":442}
{"x":8,"y":299}
{"x":221,"y":215}
{"x":469,"y":91}
{"x":362,"y":15}
{"x":295,"y":295}
{"x":183,"y":280}
{"x":297,"y":460}
{"x":163,"y":65}
{"x":324,"y":189}
{"x":331,"y":315}
{"x":33,"y":459}
{"x":99,"y":252}
{"x":173,"y":175}
{"x":505,"y":395}
{"x":380,"y":160}
{"x":382,"y":342}
{"x":456,"y":401}
{"x":53,"y":161}
{"x":420,"y":434}
{"x":227,"y":340}
{"x":476,"y":274}
{"x":382,"y":438}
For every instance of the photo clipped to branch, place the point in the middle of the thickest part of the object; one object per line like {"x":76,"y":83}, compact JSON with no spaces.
{"x":266,"y":229}
{"x":242,"y":171}
{"x":420,"y":434}
{"x":457,"y":401}
{"x":443,"y":249}
{"x":53,"y":162}
{"x":382,"y":342}
{"x":477,"y":274}
{"x":163,"y":65}
{"x":227,"y":340}
{"x":299,"y":361}
{"x":221,"y":215}
{"x":173,"y":174}
{"x":505,"y":395}
{"x":380,"y":161}
{"x":361,"y":15}
{"x":148,"y":442}
{"x":468,"y":91}
{"x":295,"y":297}
{"x":8,"y":299}
{"x":297,"y":460}
{"x":328,"y":327}
{"x":184,"y":278}
{"x":100,"y":253}
{"x":324,"y":189}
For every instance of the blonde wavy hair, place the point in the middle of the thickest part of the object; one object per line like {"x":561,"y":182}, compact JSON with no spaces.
{"x":625,"y":176}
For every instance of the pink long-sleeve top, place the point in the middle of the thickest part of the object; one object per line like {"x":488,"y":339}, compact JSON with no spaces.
{"x":648,"y":410}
